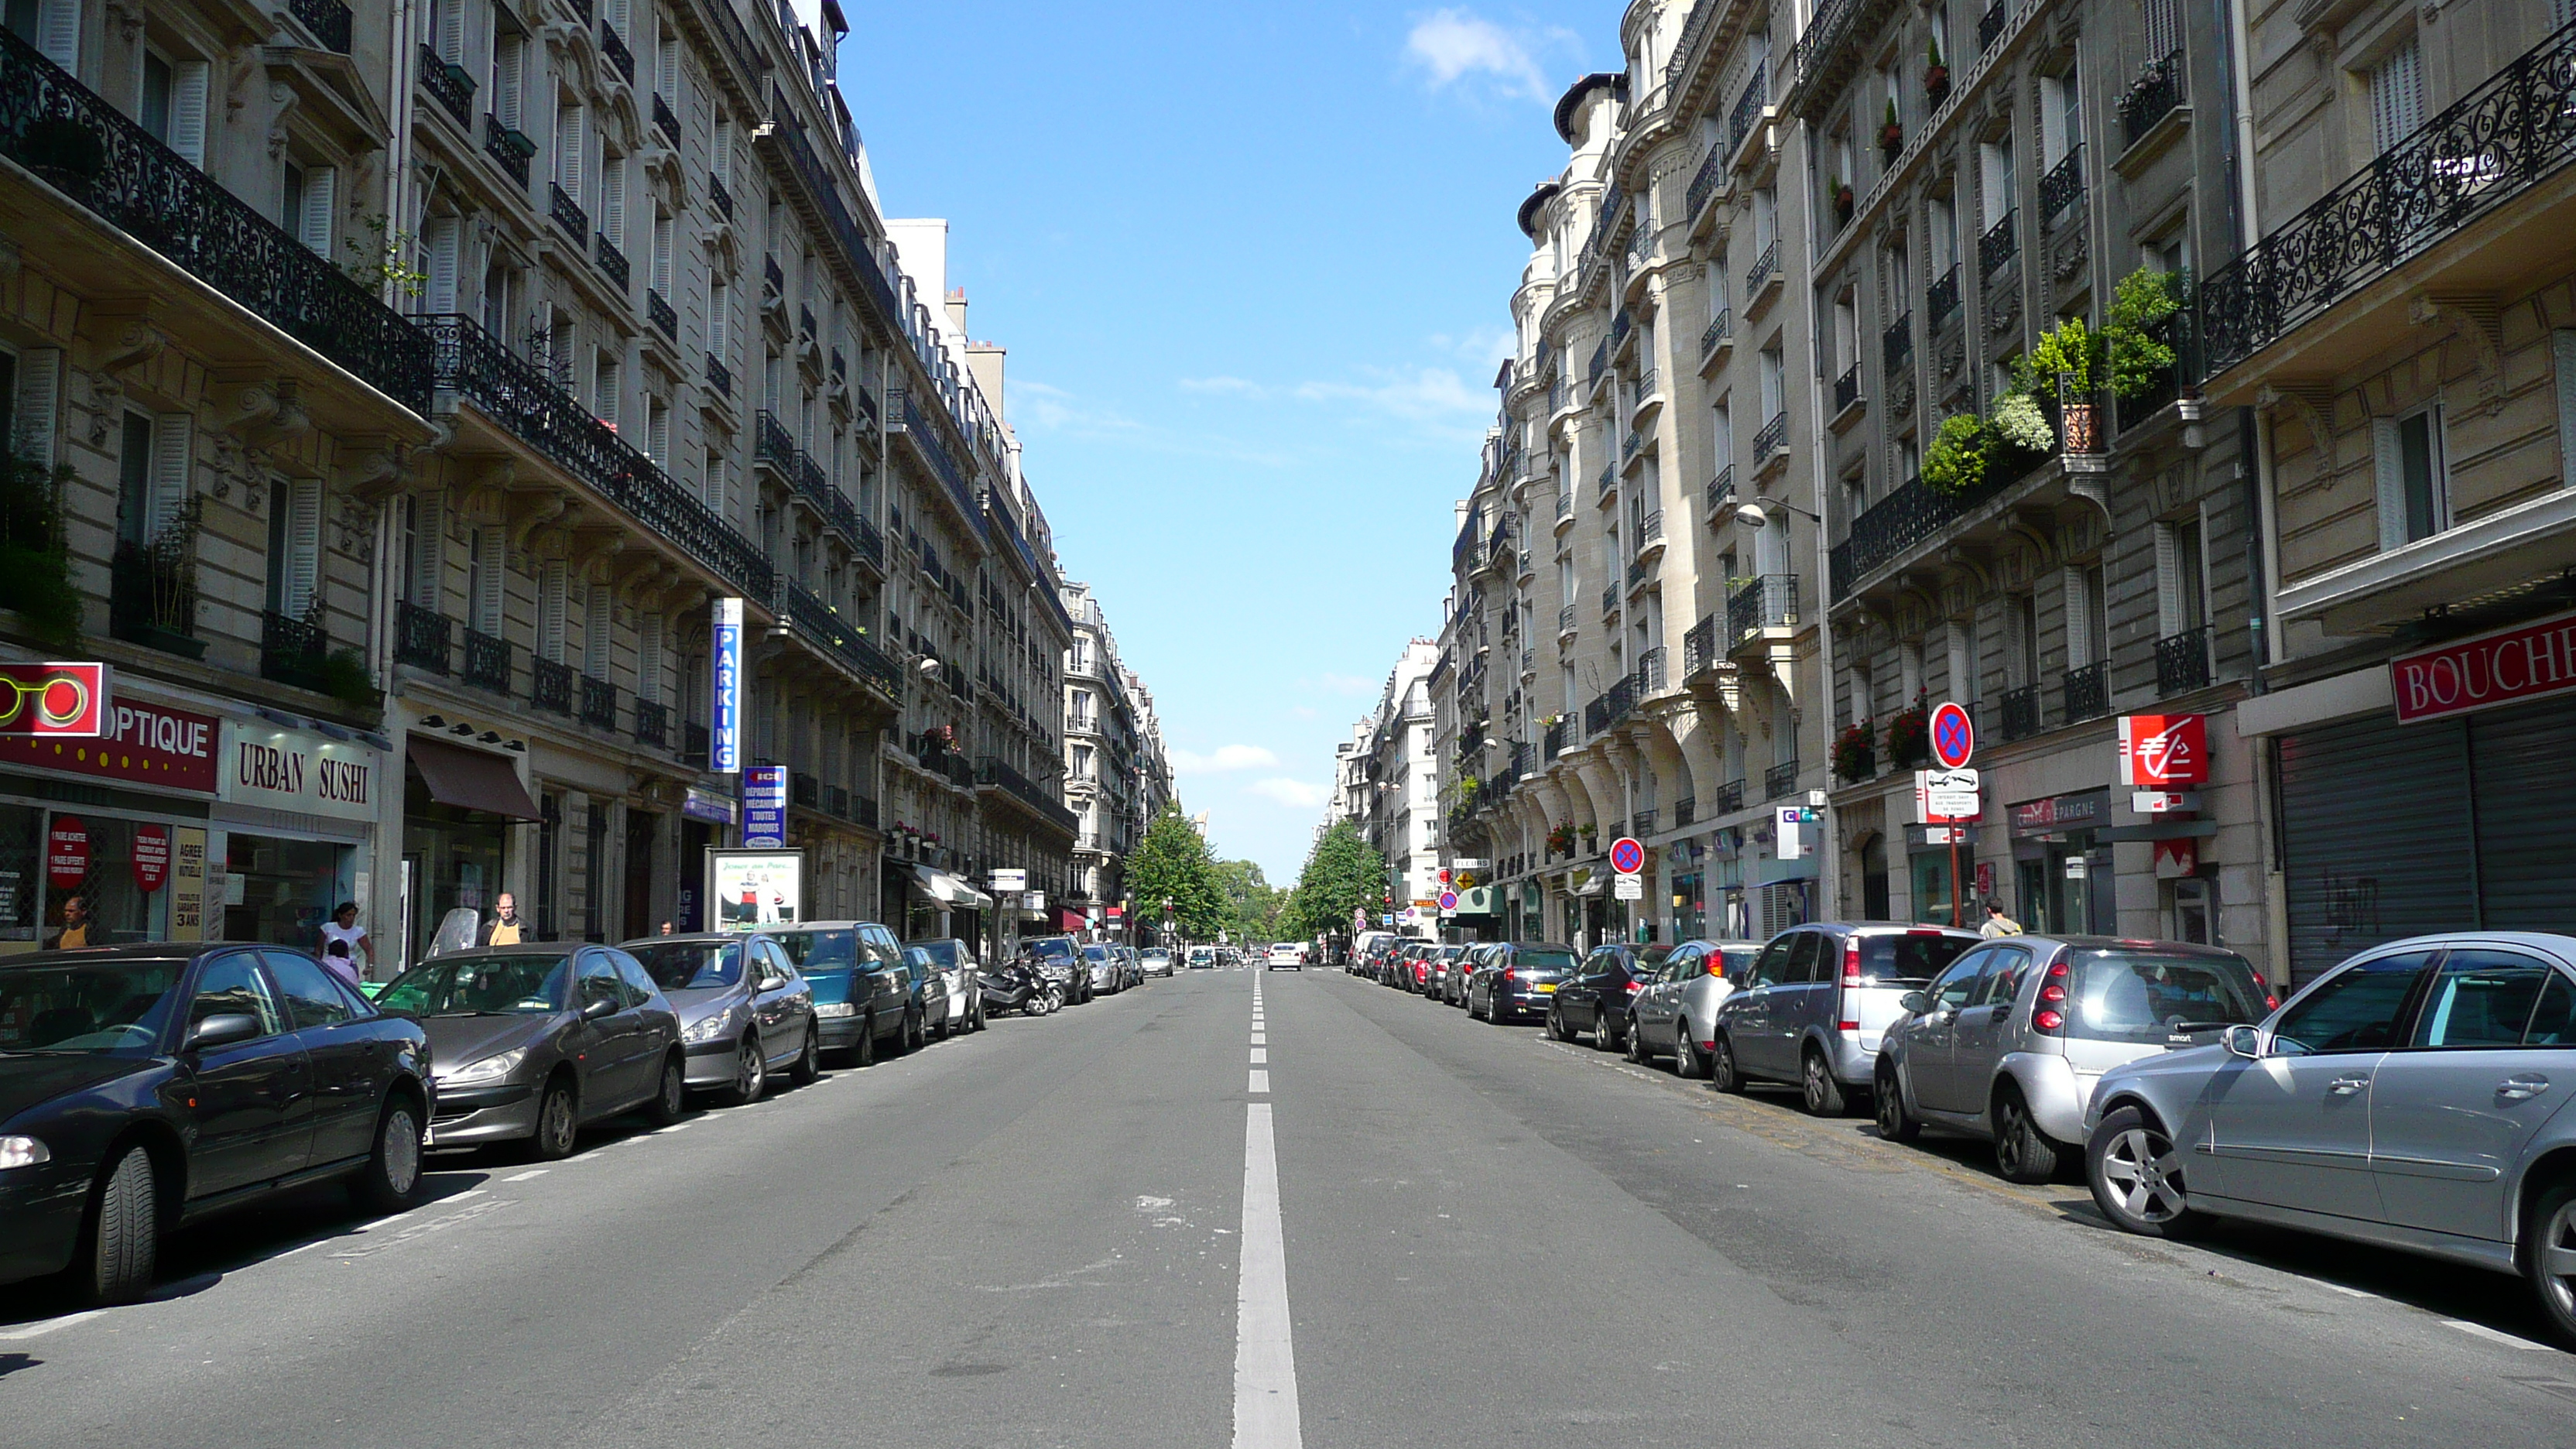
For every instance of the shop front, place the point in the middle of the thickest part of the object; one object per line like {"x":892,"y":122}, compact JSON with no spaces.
{"x":1930,"y":853}
{"x":298,"y":809}
{"x":2061,"y":861}
{"x":111,"y":836}
{"x":706,"y":822}
{"x":459,"y":806}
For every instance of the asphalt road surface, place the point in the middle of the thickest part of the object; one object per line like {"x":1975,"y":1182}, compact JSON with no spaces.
{"x":1268,"y":1210}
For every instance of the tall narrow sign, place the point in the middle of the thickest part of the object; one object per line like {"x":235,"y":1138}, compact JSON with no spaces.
{"x":724,"y":729}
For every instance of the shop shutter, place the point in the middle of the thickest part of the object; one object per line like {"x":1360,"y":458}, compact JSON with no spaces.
{"x":2562,"y":352}
{"x":2375,"y":825}
{"x":188,"y":111}
{"x":171,"y":435}
{"x":321,"y":208}
{"x":40,"y":393}
{"x":2524,"y":759}
{"x":58,"y":32}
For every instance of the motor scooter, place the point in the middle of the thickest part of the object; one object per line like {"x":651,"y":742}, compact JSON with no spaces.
{"x":1019,"y":986}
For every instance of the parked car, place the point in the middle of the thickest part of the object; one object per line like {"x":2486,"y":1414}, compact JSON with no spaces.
{"x":1813,"y":1005}
{"x":864,"y":994}
{"x":1286,"y":955}
{"x":953,"y":962}
{"x":2413,"y":1097}
{"x":533,"y":1043}
{"x":744,"y":1012}
{"x":1515,"y":978}
{"x":142,"y":1087}
{"x":1435,"y":981}
{"x":1129,"y":962}
{"x":1595,"y":998}
{"x":1453,"y":987}
{"x":1156,"y":961}
{"x":1108,"y":974}
{"x":1365,"y":948}
{"x":1676,"y":1013}
{"x":1059,"y":959}
{"x":2007,"y":1042}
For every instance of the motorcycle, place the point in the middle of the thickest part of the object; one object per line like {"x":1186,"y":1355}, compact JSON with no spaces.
{"x":1019,"y":986}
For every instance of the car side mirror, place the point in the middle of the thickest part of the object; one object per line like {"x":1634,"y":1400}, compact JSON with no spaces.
{"x":223,"y":1029}
{"x":1915,"y":1003}
{"x":2243,"y":1041}
{"x":598,"y":1007}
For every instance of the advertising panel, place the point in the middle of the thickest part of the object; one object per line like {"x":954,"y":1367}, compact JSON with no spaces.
{"x":2524,"y":662}
{"x":764,"y":806}
{"x":755,"y":889}
{"x":2163,"y":751}
{"x":724,"y":717}
{"x":62,"y":700}
{"x":142,"y":744}
{"x":294,"y":770}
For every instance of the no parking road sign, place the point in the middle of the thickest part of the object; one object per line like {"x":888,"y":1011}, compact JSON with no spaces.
{"x":1954,"y":739}
{"x":1627,"y":857}
{"x":1448,"y":903}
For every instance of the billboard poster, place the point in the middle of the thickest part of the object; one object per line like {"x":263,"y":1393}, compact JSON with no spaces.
{"x":724,"y":728}
{"x":764,"y":806}
{"x":753,"y":890}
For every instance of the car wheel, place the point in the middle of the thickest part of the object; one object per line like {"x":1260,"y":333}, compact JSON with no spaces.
{"x":1556,"y":1026}
{"x":2023,"y":1153}
{"x":1687,"y":1062}
{"x":558,"y":1123}
{"x":1822,"y":1095}
{"x":1895,"y":1123}
{"x":750,"y":1073}
{"x":914,"y":1032}
{"x":391,"y":1178}
{"x":1636,"y":1043}
{"x":670,"y":1095}
{"x":863,"y":1052}
{"x":809,"y":1062}
{"x":1605,"y":1031}
{"x":1721,"y":1068}
{"x":124,"y":1236}
{"x":2138,"y":1178}
{"x":2553,"y":1256}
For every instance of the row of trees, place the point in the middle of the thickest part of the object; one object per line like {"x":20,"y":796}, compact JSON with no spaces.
{"x":1208,"y":895}
{"x":1343,"y":874}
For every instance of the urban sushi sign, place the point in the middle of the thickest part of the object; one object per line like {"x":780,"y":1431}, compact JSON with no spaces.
{"x":2528,"y":661}
{"x":293,"y":770}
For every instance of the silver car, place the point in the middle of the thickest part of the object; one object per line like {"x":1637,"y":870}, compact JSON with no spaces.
{"x":952,"y":962}
{"x":2415,"y":1097}
{"x":2007,"y":1043}
{"x":744,"y":1012}
{"x":1812,"y":1006}
{"x":1675,"y":1014}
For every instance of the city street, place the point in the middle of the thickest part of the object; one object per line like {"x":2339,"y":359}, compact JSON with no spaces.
{"x":1061,"y":1232}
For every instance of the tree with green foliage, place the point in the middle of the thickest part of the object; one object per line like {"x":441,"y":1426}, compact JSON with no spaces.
{"x":1344,"y":873}
{"x":1253,"y":904}
{"x":1172,"y":864}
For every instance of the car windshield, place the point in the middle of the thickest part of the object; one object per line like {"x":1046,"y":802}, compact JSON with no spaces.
{"x":1095,"y":953}
{"x":1652,"y":958}
{"x":529,"y":985}
{"x":1543,"y":958}
{"x":1056,"y":947}
{"x":2138,"y":996}
{"x":691,"y":965}
{"x":812,"y":951}
{"x":92,"y":1006}
{"x":942,"y":954}
{"x":1908,"y":960}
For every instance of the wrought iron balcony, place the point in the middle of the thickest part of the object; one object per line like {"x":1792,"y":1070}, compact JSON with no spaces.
{"x":1896,"y":344}
{"x":1699,"y":646}
{"x":1564,"y":506}
{"x":1649,"y":386}
{"x":1990,"y":25}
{"x":1650,"y":530}
{"x":772,"y":444}
{"x":717,"y":193}
{"x":1600,"y":363}
{"x":451,"y":84}
{"x":836,"y":801}
{"x":2182,"y":662}
{"x":598,"y":703}
{"x":1704,"y":183}
{"x":328,"y":20}
{"x":292,"y":651}
{"x":1636,"y":572}
{"x":510,"y":149}
{"x":1553,"y":743}
{"x":1721,"y":491}
{"x":693,"y":745}
{"x":2088,"y":691}
{"x":1748,"y":108}
{"x":567,"y":212}
{"x":770,"y":277}
{"x":821,"y":626}
{"x":1721,"y":328}
{"x":551,"y":686}
{"x":2018,"y":713}
{"x":1649,"y":672}
{"x":665,"y":122}
{"x":2167,"y":384}
{"x":615,"y":49}
{"x":422,"y":637}
{"x":2062,"y":186}
{"x":1629,"y":444}
{"x":996,"y":773}
{"x":1566,"y":619}
{"x":1730,"y":798}
{"x":652,"y":724}
{"x":146,"y":190}
{"x":2156,"y":93}
{"x":1609,"y":599}
{"x":663,"y":316}
{"x":1685,"y":812}
{"x":1642,"y":822}
{"x":612,"y":262}
{"x":519,"y":397}
{"x":487,"y":661}
{"x":1916,"y":512}
{"x":719,"y":376}
{"x":2000,"y":244}
{"x":1767,"y":602}
{"x":804,"y":320}
{"x":1773,"y":438}
{"x":1764,"y":268}
{"x":1847,"y":388}
{"x":805,"y":789}
{"x":1780,"y":781}
{"x":1942,"y":300}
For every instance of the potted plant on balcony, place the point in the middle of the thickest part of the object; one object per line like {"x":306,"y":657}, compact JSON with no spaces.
{"x":1855,"y":757}
{"x":1844,"y":201}
{"x":153,"y":588}
{"x":2138,"y":358}
{"x":1891,"y":132}
{"x":2019,"y":424}
{"x":1909,"y":736}
{"x":1936,"y":75}
{"x":35,"y":565}
{"x":2067,"y":358}
{"x":1590,"y":833}
{"x":1560,"y":841}
{"x":1956,"y":461}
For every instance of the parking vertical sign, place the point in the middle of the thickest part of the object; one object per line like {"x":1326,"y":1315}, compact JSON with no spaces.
{"x":724,"y":730}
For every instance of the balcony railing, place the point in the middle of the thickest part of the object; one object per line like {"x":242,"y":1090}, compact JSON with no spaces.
{"x":2000,"y":244}
{"x":1553,"y":743}
{"x":292,"y":651}
{"x":487,"y":661}
{"x":550,"y":687}
{"x":1636,"y":572}
{"x":327,"y":19}
{"x":2088,"y":691}
{"x":421,"y":637}
{"x":821,"y":626}
{"x":719,"y":376}
{"x":451,"y":84}
{"x":1650,"y":530}
{"x":1748,"y":108}
{"x":1942,"y":300}
{"x":2482,"y":151}
{"x":1773,"y":438}
{"x":805,"y":789}
{"x":723,"y":198}
{"x":1720,"y":328}
{"x":1730,"y":798}
{"x":2182,"y":662}
{"x":615,"y":49}
{"x":652,"y":724}
{"x":770,"y":276}
{"x":2062,"y":186}
{"x":998,"y":773}
{"x":666,"y":122}
{"x":2167,"y":384}
{"x":1643,"y":821}
{"x":151,"y":193}
{"x":1915,"y":512}
{"x":598,"y":703}
{"x":1699,"y":646}
{"x":1990,"y":25}
{"x":1685,"y":812}
{"x":1896,"y":344}
{"x":1847,"y":388}
{"x":2157,"y":91}
{"x":1600,"y":363}
{"x":1609,"y":599}
{"x":1565,"y":619}
{"x":1704,"y":183}
{"x":1721,"y":491}
{"x":1649,"y":672}
{"x":510,"y":149}
{"x":659,"y":309}
{"x":2019,"y":713}
{"x":567,"y":212}
{"x":693,"y":744}
{"x":612,"y":262}
{"x":1564,"y":506}
{"x":522,"y":399}
{"x":1761,"y":272}
{"x":1780,"y":781}
{"x":1767,"y":602}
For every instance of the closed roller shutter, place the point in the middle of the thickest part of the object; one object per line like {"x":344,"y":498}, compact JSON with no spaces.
{"x":2376,"y":837}
{"x":2525,"y":762}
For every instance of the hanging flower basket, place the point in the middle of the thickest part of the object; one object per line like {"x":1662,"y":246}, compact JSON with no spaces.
{"x":1855,"y":755}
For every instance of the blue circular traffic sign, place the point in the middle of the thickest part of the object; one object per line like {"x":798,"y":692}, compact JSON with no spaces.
{"x":1954,"y":739}
{"x":1627,"y":857}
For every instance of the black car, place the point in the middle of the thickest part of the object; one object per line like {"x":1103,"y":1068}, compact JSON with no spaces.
{"x":1060,"y":960}
{"x":144,"y":1086}
{"x":1516,"y":978}
{"x":1595,"y":997}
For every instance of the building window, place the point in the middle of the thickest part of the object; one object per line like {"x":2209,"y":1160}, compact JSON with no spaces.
{"x":2414,"y":482}
{"x":1995,"y":179}
{"x":2182,"y":590}
{"x":2397,"y":95}
{"x":295,"y":548}
{"x":52,"y":26}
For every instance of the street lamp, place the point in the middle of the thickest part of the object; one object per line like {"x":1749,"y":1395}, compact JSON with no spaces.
{"x":1757,"y":514}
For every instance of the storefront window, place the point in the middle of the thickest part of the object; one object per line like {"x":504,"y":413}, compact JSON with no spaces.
{"x":281,"y":891}
{"x":22,"y":870}
{"x":454,"y":858}
{"x":120,"y":910}
{"x":1931,"y":869}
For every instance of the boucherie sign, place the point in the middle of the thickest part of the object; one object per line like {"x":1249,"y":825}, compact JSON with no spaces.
{"x":2527,"y":661}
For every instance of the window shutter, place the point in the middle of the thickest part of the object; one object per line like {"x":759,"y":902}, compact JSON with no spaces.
{"x":595,"y":615}
{"x":506,"y":60}
{"x":612,"y":200}
{"x":570,"y":141}
{"x":188,"y":111}
{"x":171,"y":435}
{"x":451,"y":31}
{"x":648,"y":659}
{"x":2079,"y":625}
{"x":2169,"y":620}
{"x":493,"y":552}
{"x":2388,"y":462}
{"x":2397,"y":95}
{"x":303,"y":545}
{"x":429,"y":550}
{"x":321,"y":203}
{"x":2562,"y":351}
{"x":553,"y":584}
{"x":40,"y":393}
{"x":717,"y":302}
{"x":58,"y":32}
{"x":662,"y":256}
{"x":446,"y":235}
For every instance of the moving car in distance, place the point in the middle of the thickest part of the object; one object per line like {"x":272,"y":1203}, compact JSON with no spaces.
{"x":1286,"y":956}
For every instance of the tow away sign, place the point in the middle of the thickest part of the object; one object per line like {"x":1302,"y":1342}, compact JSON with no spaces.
{"x":1942,"y":795}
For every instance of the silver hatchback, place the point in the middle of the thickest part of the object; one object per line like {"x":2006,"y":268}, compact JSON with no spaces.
{"x":1676,"y":1013}
{"x":2416,"y":1097}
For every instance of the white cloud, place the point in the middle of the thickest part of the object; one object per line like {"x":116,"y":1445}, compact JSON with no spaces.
{"x":1457,"y":44}
{"x":1226,"y":757}
{"x":1296,"y":794}
{"x":1431,"y":394}
{"x":1226,"y":386}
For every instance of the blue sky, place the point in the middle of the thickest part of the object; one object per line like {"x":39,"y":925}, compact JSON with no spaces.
{"x":1252,"y":264}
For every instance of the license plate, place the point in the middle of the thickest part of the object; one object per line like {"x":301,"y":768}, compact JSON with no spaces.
{"x":1545,"y":988}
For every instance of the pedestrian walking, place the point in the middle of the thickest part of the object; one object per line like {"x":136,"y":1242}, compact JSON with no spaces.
{"x":1997,"y":923}
{"x":505,"y":927}
{"x":343,"y":941}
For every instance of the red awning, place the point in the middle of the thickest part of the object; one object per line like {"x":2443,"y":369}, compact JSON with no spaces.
{"x":470,"y":779}
{"x":1069,"y":919}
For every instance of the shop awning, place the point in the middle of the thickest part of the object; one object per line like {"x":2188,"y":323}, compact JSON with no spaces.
{"x":1069,"y":919}
{"x":470,"y":779}
{"x":948,"y":888}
